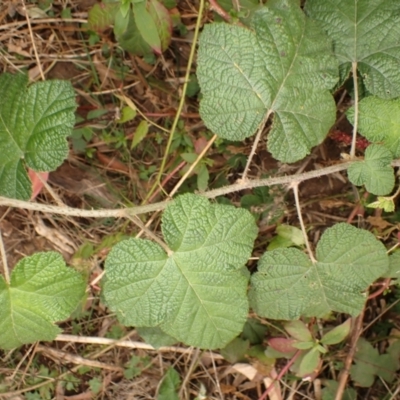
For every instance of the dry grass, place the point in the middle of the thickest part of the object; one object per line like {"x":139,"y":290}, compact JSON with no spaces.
{"x":110,"y":176}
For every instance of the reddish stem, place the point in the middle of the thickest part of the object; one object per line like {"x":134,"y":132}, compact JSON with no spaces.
{"x":166,"y":179}
{"x":219,"y":10}
{"x":280,"y":375}
{"x":385,"y":285}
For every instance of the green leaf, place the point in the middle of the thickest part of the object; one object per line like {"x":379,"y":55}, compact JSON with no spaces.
{"x":365,"y":32}
{"x":288,"y":285}
{"x":337,"y":334}
{"x":140,"y":133}
{"x":42,"y":291}
{"x":254,"y":331}
{"x":163,"y":22}
{"x":156,"y":337}
{"x":127,"y":114}
{"x":379,"y":121}
{"x":34,"y":124}
{"x":235,"y":351}
{"x":386,"y":203}
{"x":169,"y":385}
{"x":128,"y":35}
{"x":298,"y":330}
{"x":375,"y":171}
{"x":394,"y":266}
{"x":309,"y":363}
{"x":197,"y":292}
{"x":330,"y":389}
{"x":368,"y":363}
{"x":283,"y":65}
{"x":303,"y":345}
{"x":101,"y":16}
{"x":147,"y":26}
{"x":287,"y":236}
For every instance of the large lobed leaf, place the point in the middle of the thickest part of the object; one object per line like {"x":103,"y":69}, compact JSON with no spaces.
{"x":197,"y":292}
{"x":34,"y":123}
{"x":288,"y":285}
{"x":282,"y":65}
{"x":365,"y":32}
{"x":42,"y":291}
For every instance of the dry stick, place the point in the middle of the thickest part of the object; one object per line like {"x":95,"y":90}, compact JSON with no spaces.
{"x":255,"y":144}
{"x":192,"y":366}
{"x":182,"y":99}
{"x":355,"y":125}
{"x":295,"y":187}
{"x":33,"y":40}
{"x":127,"y":344}
{"x":193,"y":166}
{"x":356,"y":332}
{"x":211,"y":194}
{"x":4,"y":259}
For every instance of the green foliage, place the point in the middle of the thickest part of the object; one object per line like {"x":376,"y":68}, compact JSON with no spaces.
{"x":379,"y":121}
{"x":141,"y":27}
{"x":169,"y":385}
{"x":34,"y":123}
{"x":196,"y":292}
{"x":42,"y":291}
{"x":288,"y":284}
{"x":364,"y":32}
{"x":274,"y":72}
{"x":156,"y":337}
{"x":369,"y":363}
{"x":375,"y":171}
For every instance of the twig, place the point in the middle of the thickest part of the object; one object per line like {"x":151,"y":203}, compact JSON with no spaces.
{"x":355,"y":125}
{"x":4,"y":259}
{"x":350,"y":355}
{"x":33,"y":40}
{"x":192,"y":367}
{"x":211,"y":194}
{"x":182,"y":99}
{"x":128,"y":344}
{"x":193,"y":166}
{"x":295,"y":187}
{"x":255,"y":144}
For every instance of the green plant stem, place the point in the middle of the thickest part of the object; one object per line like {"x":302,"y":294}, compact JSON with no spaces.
{"x":181,"y":102}
{"x":295,"y":187}
{"x":211,"y":194}
{"x":355,"y":125}
{"x":4,"y":259}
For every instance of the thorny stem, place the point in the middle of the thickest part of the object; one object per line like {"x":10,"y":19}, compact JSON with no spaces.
{"x":295,"y":187}
{"x":211,"y":194}
{"x":182,"y":100}
{"x":4,"y":260}
{"x":355,"y":125}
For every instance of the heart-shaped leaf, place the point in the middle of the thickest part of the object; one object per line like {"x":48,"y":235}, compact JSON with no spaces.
{"x":288,"y":285}
{"x":197,"y":292}
{"x":282,"y":65}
